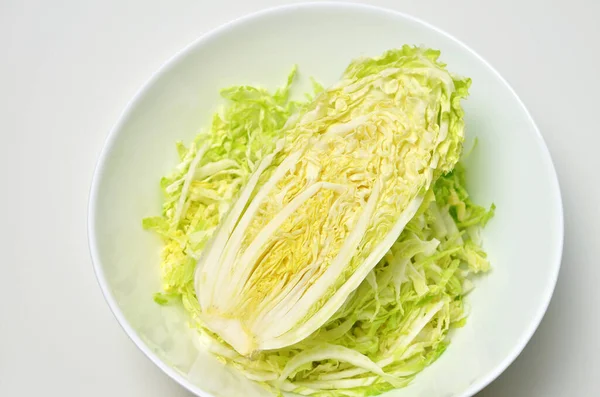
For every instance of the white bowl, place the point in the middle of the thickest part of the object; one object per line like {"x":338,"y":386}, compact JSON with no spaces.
{"x":511,"y":167}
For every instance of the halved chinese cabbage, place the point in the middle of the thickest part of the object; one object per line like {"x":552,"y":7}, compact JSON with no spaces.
{"x":320,"y":211}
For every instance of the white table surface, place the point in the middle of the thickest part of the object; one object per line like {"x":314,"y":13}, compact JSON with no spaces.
{"x":67,"y":70}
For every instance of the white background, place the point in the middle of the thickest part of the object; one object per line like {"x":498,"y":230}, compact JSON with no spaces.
{"x":67,"y":70}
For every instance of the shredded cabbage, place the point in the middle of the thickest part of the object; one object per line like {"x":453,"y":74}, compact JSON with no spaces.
{"x":362,"y":179}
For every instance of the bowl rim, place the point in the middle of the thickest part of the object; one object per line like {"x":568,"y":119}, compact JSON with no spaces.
{"x":474,"y":387}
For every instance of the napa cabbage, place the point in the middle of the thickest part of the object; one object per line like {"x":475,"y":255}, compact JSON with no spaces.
{"x":324,"y":247}
{"x":322,"y":209}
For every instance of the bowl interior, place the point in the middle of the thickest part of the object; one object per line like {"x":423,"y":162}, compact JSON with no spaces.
{"x":510,"y":167}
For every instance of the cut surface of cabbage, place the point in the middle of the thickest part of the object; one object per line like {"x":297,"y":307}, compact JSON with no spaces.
{"x":320,"y":211}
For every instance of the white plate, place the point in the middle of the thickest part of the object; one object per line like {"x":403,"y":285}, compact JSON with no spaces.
{"x":511,"y":167}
